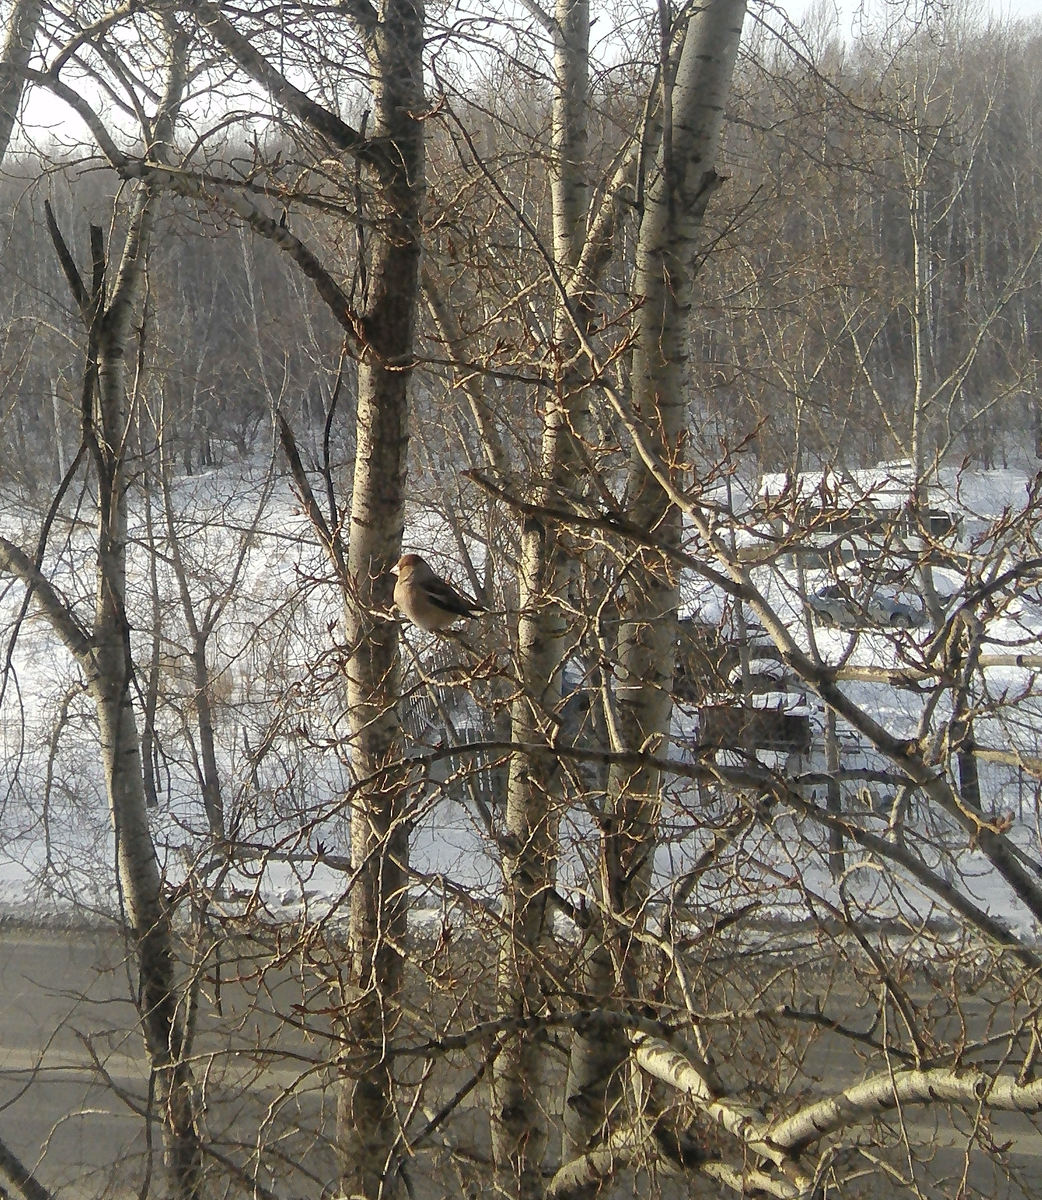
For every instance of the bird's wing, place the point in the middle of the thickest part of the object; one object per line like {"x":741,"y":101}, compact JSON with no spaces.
{"x":444,"y":595}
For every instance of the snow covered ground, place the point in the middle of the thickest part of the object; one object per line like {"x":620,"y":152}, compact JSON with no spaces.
{"x":281,"y":720}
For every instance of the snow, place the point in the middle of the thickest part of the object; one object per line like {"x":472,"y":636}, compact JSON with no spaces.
{"x":275,"y":658}
{"x":981,"y":494}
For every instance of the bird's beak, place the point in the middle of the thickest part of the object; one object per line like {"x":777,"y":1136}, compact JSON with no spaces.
{"x":394,"y":569}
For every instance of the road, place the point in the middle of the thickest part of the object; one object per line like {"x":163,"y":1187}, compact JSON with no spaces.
{"x":65,"y":1009}
{"x":74,"y":1081}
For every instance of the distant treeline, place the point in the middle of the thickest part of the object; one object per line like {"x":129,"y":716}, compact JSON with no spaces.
{"x":872,"y":285}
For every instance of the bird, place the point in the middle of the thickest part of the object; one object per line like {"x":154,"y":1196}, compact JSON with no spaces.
{"x":428,"y":601}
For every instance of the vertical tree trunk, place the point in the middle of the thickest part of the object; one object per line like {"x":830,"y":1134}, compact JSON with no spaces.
{"x":210,"y":780}
{"x":519,"y":1110}
{"x":22,"y":23}
{"x":141,"y":895}
{"x":392,"y":151}
{"x":368,"y":1127}
{"x":109,"y":666}
{"x":677,"y":192}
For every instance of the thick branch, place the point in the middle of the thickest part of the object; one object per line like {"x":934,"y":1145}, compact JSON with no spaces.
{"x":284,"y":93}
{"x":577,"y":1177}
{"x":884,"y":1092}
{"x":68,"y":263}
{"x":15,"y":561}
{"x":584,"y":1175}
{"x":14,"y":1173}
{"x":192,"y":188}
{"x":661,"y":1060}
{"x":749,"y":1183}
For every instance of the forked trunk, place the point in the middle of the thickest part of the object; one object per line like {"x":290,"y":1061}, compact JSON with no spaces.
{"x":108,"y":663}
{"x":676,"y":195}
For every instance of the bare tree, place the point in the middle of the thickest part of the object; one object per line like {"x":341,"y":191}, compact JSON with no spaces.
{"x":699,"y":58}
{"x":644,"y":959}
{"x":102,"y":650}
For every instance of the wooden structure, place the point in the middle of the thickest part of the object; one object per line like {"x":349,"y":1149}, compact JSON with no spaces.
{"x":741,"y":727}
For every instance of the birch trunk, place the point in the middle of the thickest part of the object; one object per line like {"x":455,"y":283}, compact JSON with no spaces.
{"x":369,"y":1128}
{"x":110,"y":672}
{"x":110,"y":682}
{"x":392,"y":34}
{"x":519,"y":1110}
{"x":22,"y":24}
{"x":677,"y":192}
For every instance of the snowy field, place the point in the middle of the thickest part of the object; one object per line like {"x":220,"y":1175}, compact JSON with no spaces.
{"x":249,"y":556}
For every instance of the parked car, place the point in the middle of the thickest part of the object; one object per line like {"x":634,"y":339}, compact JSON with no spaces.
{"x":890,"y":608}
{"x":837,"y":606}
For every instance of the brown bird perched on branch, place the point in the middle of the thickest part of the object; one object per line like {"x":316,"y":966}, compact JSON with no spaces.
{"x":427,"y":600}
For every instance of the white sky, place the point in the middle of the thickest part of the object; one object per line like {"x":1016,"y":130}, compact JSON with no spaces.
{"x":47,"y":118}
{"x":847,"y":9}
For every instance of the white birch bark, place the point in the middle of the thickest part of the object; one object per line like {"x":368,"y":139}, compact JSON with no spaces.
{"x":369,"y":1127}
{"x":392,"y":34}
{"x":19,"y":36}
{"x":677,"y":192}
{"x":534,"y":788}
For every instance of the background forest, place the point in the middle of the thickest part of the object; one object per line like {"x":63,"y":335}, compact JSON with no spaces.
{"x":701,"y":348}
{"x":877,"y":239}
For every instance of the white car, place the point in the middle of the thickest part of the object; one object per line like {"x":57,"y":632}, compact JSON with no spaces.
{"x":836,"y":606}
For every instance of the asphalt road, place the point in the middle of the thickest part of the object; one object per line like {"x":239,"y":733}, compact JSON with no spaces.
{"x":73,"y":1082}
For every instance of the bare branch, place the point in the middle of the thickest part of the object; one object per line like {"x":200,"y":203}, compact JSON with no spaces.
{"x":541,"y":15}
{"x":290,"y":97}
{"x":663,"y":1061}
{"x":68,"y":263}
{"x":16,"y":562}
{"x":330,"y":537}
{"x":884,"y":1092}
{"x":575,"y":1178}
{"x":930,"y":880}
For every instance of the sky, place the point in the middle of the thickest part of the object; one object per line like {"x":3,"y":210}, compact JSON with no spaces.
{"x":48,"y":118}
{"x":848,"y":9}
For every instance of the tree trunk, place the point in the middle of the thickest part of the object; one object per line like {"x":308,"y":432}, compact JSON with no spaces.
{"x":22,"y":23}
{"x":534,"y":787}
{"x":210,"y":780}
{"x":392,"y":151}
{"x":677,"y":192}
{"x":368,"y":1125}
{"x":141,"y":895}
{"x":107,"y":661}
